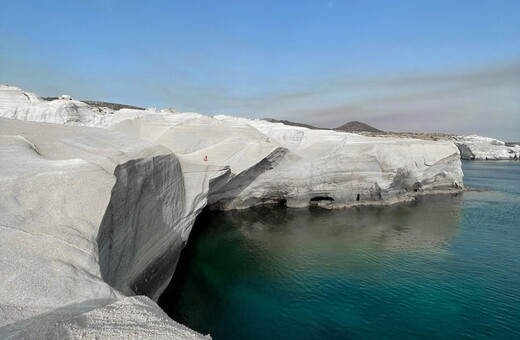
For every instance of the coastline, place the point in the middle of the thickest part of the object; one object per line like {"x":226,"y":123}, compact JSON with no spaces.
{"x":126,"y":231}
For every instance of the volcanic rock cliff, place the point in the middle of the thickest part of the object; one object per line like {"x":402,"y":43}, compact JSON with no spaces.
{"x":92,"y":219}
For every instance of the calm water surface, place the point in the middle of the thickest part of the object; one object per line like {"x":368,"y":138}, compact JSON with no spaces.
{"x":441,"y":267}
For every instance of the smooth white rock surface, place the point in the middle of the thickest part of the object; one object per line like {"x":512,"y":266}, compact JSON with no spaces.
{"x":272,"y":162}
{"x":485,"y":148}
{"x":18,"y":104}
{"x":135,"y":317}
{"x":86,"y":215}
{"x":12,"y":97}
{"x":100,"y":214}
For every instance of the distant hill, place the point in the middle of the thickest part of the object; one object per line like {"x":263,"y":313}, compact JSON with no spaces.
{"x":287,"y":122}
{"x":357,"y":127}
{"x":512,"y":143}
{"x":349,"y":127}
{"x":94,"y":103}
{"x":112,"y":106}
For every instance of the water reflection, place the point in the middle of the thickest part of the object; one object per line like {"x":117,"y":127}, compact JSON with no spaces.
{"x":428,"y":223}
{"x":443,"y":266}
{"x":273,"y":265}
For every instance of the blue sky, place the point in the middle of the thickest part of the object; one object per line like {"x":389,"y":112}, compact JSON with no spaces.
{"x":448,"y":66}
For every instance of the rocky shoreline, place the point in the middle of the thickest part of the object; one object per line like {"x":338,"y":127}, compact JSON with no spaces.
{"x":96,"y":209}
{"x":472,"y":147}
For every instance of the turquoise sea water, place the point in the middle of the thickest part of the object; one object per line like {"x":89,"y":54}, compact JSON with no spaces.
{"x":445,"y":266}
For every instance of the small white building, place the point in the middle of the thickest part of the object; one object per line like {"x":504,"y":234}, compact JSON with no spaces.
{"x":65,"y":97}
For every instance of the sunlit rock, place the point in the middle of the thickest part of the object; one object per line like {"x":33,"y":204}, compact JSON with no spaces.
{"x":18,"y":104}
{"x":485,"y":148}
{"x":273,"y":163}
{"x":90,"y":216}
{"x":87,"y":216}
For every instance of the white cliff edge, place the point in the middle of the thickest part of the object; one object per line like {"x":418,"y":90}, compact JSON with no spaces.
{"x":91,"y":218}
{"x":485,"y":148}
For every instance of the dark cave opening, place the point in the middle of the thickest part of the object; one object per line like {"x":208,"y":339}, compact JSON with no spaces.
{"x":321,"y":198}
{"x":171,"y":295}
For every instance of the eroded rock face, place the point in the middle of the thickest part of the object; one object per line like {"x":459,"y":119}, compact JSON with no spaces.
{"x":485,"y":148}
{"x":58,"y":185}
{"x":89,"y":216}
{"x":270,"y":162}
{"x":47,"y":236}
{"x":141,"y":234}
{"x":12,"y":97}
{"x":18,"y":104}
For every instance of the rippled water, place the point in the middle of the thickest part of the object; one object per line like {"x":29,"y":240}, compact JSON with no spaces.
{"x":441,"y":267}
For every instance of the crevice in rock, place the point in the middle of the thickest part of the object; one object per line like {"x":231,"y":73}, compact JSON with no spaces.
{"x":171,"y":295}
{"x":321,"y":198}
{"x":140,"y":236}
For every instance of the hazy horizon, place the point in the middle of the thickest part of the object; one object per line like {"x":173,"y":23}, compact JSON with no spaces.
{"x":429,"y":66}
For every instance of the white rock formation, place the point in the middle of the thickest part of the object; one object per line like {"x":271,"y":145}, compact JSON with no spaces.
{"x":18,"y":104}
{"x":12,"y":97}
{"x":129,"y":318}
{"x":274,"y":163}
{"x":485,"y":148}
{"x":90,"y":216}
{"x":86,"y":215}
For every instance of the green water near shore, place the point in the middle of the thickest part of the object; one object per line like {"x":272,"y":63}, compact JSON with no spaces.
{"x":445,"y":266}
